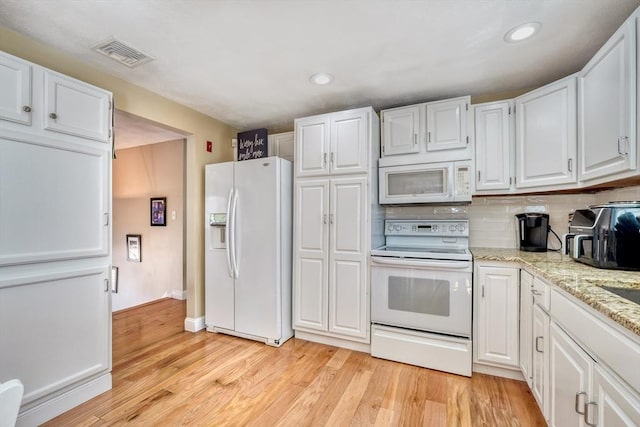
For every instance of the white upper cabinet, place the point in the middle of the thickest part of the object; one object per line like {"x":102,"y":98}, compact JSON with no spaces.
{"x":447,"y":124}
{"x":75,"y":108}
{"x":425,"y":133}
{"x":336,"y":143}
{"x":546,"y":143}
{"x":493,"y":146}
{"x":607,"y":107}
{"x":401,"y":130}
{"x":15,"y":87}
{"x":281,"y":145}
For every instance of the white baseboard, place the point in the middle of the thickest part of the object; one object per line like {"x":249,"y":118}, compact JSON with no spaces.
{"x":178,"y":294}
{"x":62,"y":403}
{"x":514,"y":374}
{"x":336,"y":342}
{"x":194,"y":324}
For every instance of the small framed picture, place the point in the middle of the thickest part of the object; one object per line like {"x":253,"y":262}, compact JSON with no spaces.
{"x":134,"y":247}
{"x":159,"y":211}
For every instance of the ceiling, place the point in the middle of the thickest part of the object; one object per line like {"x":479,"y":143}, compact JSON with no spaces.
{"x":248,"y":62}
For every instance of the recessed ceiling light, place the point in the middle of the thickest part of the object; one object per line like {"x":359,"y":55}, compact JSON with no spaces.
{"x":522,"y":32}
{"x":321,"y":78}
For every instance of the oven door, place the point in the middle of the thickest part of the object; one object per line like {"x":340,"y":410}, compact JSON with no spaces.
{"x":425,"y":295}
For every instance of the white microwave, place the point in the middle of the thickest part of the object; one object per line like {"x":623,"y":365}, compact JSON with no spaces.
{"x":447,"y":182}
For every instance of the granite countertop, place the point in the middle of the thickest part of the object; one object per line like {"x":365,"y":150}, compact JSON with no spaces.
{"x":580,"y":280}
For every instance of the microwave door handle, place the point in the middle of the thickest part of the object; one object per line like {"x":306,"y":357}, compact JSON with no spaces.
{"x":404,"y":262}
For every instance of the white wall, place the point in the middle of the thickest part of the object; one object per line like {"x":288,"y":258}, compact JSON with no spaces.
{"x":140,"y":173}
{"x":492,"y":219}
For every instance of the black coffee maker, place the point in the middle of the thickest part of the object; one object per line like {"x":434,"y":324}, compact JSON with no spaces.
{"x":533,"y":231}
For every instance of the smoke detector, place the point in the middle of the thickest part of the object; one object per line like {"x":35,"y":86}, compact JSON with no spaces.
{"x":122,"y":52}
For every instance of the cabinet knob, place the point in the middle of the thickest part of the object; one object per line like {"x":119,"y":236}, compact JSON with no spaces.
{"x":53,"y":116}
{"x":26,"y":109}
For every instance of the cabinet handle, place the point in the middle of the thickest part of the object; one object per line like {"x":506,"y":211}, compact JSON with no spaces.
{"x":26,"y":109}
{"x":581,"y":393}
{"x":570,"y":165}
{"x":324,"y":218}
{"x":415,"y":139}
{"x":330,"y":218}
{"x":620,"y":152}
{"x":478,"y":176}
{"x":325,"y":158}
{"x":53,"y":116}
{"x":332,"y":158}
{"x":586,"y":415}
{"x":428,"y":136}
{"x":482,"y":291}
{"x":537,"y":346}
{"x":106,"y":285}
{"x":536,"y":293}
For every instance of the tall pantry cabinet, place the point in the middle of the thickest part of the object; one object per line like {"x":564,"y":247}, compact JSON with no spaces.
{"x":337,"y":220}
{"x":55,"y":238}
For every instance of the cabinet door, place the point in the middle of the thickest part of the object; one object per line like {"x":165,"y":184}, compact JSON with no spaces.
{"x":311,"y":231}
{"x":540,"y":362}
{"x":312,"y":146}
{"x":447,"y":125}
{"x":546,"y":143}
{"x":615,"y":405}
{"x":497,"y":297}
{"x":281,"y":145}
{"x":569,"y":374}
{"x":55,"y":200}
{"x":526,"y":332}
{"x":400,"y":129}
{"x":349,"y":142}
{"x":76,"y":108}
{"x":607,"y":106}
{"x":493,"y":146}
{"x":60,"y":330}
{"x":15,"y":87}
{"x":348,"y":302}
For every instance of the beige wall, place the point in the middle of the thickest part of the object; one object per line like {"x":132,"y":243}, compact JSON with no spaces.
{"x":139,"y":173}
{"x":136,"y":100}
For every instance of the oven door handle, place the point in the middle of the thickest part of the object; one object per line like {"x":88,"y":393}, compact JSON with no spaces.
{"x":404,"y":262}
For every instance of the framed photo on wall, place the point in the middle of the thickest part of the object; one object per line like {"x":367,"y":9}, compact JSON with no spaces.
{"x":159,"y":211}
{"x":134,"y":247}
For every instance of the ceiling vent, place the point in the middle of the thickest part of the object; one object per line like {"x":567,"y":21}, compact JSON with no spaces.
{"x":123,"y":53}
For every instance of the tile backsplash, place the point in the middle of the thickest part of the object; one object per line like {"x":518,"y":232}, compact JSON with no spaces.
{"x":492,"y":219}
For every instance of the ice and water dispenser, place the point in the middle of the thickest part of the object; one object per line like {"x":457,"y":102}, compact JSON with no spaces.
{"x":218,"y":228}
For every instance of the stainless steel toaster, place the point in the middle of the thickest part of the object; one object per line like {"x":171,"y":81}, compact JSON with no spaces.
{"x":606,"y":236}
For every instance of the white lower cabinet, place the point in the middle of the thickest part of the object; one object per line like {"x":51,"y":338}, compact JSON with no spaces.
{"x":526,"y":325}
{"x":496,"y":310}
{"x":540,"y":359}
{"x":582,"y":392}
{"x":330,"y":258}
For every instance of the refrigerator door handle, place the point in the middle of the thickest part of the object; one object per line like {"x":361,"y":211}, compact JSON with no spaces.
{"x":234,"y":252}
{"x":227,"y":234}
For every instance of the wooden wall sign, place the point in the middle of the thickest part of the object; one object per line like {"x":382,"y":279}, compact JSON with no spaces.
{"x":252,"y":144}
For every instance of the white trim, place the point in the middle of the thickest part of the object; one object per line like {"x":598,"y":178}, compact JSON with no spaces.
{"x":53,"y":407}
{"x":179,"y":294}
{"x":336,"y":342}
{"x":498,"y":372}
{"x":194,"y":324}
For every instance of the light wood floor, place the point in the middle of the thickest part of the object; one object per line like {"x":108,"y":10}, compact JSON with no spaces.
{"x":163,"y":376}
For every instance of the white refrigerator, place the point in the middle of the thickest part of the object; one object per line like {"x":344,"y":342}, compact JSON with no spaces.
{"x":248,"y":223}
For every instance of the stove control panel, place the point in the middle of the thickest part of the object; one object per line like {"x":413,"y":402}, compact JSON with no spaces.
{"x":426,"y":228}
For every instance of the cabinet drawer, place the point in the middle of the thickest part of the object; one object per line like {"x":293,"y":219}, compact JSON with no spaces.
{"x":541,"y":294}
{"x":601,"y":340}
